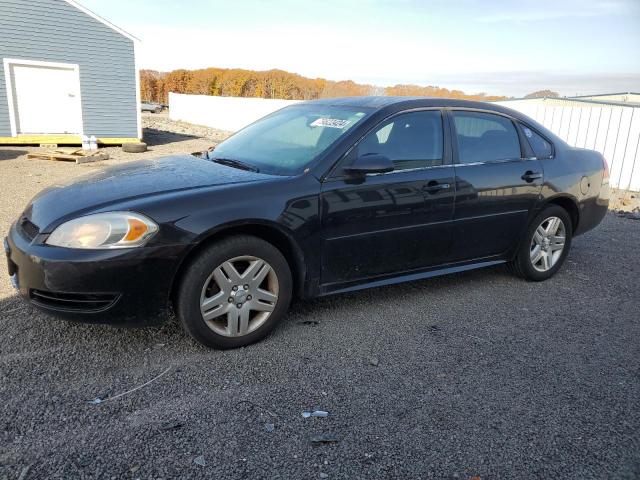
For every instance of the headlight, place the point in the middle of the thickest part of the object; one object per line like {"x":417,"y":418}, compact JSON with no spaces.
{"x":104,"y":230}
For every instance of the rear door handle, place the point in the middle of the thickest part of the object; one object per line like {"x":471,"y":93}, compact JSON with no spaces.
{"x":530,"y":176}
{"x":434,"y":187}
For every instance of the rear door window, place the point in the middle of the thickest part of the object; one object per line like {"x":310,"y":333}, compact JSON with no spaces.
{"x":484,"y":137}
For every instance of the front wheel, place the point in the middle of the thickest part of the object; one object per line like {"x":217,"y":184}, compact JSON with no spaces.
{"x":545,"y":246}
{"x":235,"y":292}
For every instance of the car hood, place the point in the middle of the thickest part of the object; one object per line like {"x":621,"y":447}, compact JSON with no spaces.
{"x":132,"y":180}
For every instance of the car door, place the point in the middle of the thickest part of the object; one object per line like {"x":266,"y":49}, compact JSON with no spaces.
{"x":384,"y":224}
{"x":497,"y":184}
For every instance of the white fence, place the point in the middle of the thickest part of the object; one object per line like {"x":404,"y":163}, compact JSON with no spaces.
{"x":224,"y":113}
{"x":611,"y":129}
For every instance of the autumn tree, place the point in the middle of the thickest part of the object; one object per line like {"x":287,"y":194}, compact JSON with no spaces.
{"x":155,"y":86}
{"x":150,"y":85}
{"x":543,"y":94}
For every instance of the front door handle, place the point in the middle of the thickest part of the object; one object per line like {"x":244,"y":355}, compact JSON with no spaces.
{"x":434,"y":187}
{"x":530,"y":176}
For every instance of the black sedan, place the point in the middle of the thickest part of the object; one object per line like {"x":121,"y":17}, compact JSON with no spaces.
{"x":318,"y":198}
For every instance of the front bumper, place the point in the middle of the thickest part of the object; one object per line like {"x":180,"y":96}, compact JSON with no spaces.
{"x":128,"y":286}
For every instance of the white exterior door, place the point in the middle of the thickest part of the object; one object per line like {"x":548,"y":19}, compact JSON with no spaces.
{"x":46,"y":99}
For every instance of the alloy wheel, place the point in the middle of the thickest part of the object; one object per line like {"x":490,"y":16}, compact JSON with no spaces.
{"x":547,"y":244}
{"x":239,"y":296}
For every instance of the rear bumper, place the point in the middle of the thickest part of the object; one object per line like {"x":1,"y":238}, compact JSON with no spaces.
{"x":593,"y":210}
{"x":121,"y":287}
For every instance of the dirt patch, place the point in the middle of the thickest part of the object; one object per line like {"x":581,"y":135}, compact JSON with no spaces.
{"x":162,"y":128}
{"x":624,"y":201}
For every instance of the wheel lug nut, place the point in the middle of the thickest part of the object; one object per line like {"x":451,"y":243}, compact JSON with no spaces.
{"x":235,"y":288}
{"x":248,"y":297}
{"x":246,"y":287}
{"x":230,"y":300}
{"x":239,"y":305}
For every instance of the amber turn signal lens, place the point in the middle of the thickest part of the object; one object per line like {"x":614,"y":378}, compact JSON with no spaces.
{"x":136,"y":230}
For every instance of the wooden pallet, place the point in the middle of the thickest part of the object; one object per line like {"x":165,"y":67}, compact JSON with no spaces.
{"x":70,"y":155}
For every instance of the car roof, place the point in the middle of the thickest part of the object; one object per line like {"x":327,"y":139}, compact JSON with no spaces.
{"x":384,"y":101}
{"x":395,"y":103}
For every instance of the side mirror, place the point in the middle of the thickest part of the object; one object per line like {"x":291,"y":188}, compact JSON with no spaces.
{"x":370,"y":163}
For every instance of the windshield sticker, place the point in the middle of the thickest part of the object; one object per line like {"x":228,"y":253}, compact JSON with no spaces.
{"x":331,"y":123}
{"x":528,"y":133}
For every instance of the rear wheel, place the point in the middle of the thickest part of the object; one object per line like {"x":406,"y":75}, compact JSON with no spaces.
{"x":545,"y":246}
{"x":235,"y":292}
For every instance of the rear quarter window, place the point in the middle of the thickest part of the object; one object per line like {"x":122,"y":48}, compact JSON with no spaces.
{"x":541,"y":147}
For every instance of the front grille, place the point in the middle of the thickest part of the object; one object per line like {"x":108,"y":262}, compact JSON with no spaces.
{"x":28,"y":228}
{"x":80,"y":302}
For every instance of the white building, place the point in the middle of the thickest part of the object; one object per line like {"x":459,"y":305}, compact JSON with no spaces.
{"x":65,"y":72}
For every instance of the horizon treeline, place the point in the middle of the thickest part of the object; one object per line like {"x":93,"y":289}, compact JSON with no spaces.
{"x":155,"y":86}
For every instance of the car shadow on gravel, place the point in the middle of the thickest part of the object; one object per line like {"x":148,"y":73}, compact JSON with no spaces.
{"x":11,"y":154}
{"x":154,"y":138}
{"x":309,"y":312}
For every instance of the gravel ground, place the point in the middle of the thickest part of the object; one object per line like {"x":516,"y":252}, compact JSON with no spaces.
{"x":470,"y":375}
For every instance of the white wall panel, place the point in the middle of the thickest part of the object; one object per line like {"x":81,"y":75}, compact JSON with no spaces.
{"x":224,"y":113}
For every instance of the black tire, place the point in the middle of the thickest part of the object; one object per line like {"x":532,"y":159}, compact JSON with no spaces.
{"x":200,"y":269}
{"x":522,"y":264}
{"x":137,"y":147}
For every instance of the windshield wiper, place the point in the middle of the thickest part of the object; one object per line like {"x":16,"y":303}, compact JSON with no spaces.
{"x":236,"y":164}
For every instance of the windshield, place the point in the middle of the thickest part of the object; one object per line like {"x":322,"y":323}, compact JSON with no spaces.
{"x":288,"y":140}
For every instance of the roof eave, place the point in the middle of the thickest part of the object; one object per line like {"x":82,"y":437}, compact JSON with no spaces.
{"x":104,"y":21}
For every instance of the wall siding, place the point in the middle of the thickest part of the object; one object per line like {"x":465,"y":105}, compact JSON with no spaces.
{"x":55,"y":31}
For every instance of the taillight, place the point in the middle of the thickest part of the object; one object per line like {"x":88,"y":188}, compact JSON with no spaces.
{"x":605,"y":173}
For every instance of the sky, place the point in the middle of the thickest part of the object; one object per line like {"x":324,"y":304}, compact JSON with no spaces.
{"x":494,"y":46}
